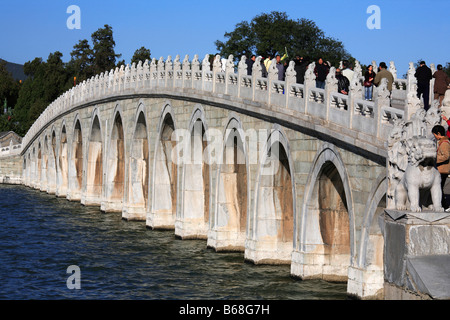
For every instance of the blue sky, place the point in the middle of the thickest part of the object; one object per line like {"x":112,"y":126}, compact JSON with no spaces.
{"x":410,"y":29}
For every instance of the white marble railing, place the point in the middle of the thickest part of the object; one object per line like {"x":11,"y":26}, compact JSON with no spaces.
{"x":349,"y":111}
{"x":10,"y":150}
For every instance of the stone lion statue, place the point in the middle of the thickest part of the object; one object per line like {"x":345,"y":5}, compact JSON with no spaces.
{"x":420,"y":174}
{"x":412,"y":176}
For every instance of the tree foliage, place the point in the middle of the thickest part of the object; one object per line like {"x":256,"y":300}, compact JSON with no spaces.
{"x":47,"y":80}
{"x":141,"y":54}
{"x":270,"y":33}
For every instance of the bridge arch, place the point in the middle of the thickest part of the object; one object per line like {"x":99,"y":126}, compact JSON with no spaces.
{"x":39,"y":165}
{"x":94,"y":163}
{"x":44,"y":163}
{"x":368,"y":272}
{"x":63,"y":164}
{"x":229,"y":221}
{"x":326,"y":233}
{"x":165,"y":171}
{"x":139,"y":168}
{"x":76,"y":161}
{"x":115,"y":165}
{"x":194,"y":214}
{"x":273,"y":219}
{"x":51,"y":167}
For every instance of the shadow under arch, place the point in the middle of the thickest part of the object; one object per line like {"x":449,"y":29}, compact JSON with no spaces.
{"x":93,"y":193}
{"x":193,"y":216}
{"x":325,"y":238}
{"x":115,"y":165}
{"x":229,"y":219}
{"x":138,"y":170}
{"x":271,"y":224}
{"x":76,"y":162}
{"x":164,"y":178}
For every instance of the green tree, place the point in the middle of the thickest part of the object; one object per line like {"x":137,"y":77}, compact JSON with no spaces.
{"x":103,"y":47}
{"x":141,"y":54}
{"x":81,"y":63}
{"x":9,"y":91}
{"x":269,"y":34}
{"x":9,"y":88}
{"x":45,"y":83}
{"x":446,"y":68}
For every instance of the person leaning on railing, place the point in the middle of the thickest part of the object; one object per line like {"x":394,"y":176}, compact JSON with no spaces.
{"x":384,"y":73}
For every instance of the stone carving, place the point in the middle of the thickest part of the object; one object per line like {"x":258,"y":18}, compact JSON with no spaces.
{"x":309,"y":74}
{"x":393,"y":69}
{"x":412,"y":174}
{"x":217,"y":64}
{"x":230,"y":64}
{"x":257,"y":68}
{"x":242,"y":66}
{"x":331,"y":81}
{"x":290,"y":75}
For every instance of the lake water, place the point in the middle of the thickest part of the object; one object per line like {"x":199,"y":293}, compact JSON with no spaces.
{"x":41,"y":236}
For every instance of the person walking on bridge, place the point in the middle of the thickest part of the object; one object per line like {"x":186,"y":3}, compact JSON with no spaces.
{"x":423,"y":76}
{"x":441,"y":82}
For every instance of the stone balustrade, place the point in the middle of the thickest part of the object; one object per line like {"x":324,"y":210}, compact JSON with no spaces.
{"x":371,"y":118}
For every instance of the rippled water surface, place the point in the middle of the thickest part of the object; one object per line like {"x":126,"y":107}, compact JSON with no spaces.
{"x":41,"y":236}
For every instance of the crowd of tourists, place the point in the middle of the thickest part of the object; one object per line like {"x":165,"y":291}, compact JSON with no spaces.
{"x":345,"y":74}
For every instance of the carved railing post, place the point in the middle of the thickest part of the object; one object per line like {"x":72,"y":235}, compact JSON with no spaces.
{"x":381,"y":101}
{"x":217,"y":73}
{"x":272,"y":75}
{"x":355,"y":91}
{"x":161,"y":73}
{"x":177,"y":73}
{"x":140,"y":75}
{"x":231,"y":79}
{"x":413,"y":103}
{"x":242,"y":71}
{"x":169,"y":72}
{"x":331,"y":86}
{"x":207,"y":77}
{"x":133,"y":76}
{"x":256,"y":73}
{"x":392,"y":69}
{"x":146,"y":74}
{"x":187,"y":73}
{"x":153,"y":74}
{"x":290,"y":79}
{"x":127,"y":78}
{"x":309,"y":83}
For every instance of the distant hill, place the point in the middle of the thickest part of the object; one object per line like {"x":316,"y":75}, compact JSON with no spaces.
{"x":16,"y":70}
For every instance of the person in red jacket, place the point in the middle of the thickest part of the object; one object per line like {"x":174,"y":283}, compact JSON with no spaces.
{"x":448,"y":123}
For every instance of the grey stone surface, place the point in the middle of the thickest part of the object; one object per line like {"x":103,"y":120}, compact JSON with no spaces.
{"x":395,"y":249}
{"x":431,"y":275}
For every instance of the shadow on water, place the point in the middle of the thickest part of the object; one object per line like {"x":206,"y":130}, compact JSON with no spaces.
{"x":43,"y":235}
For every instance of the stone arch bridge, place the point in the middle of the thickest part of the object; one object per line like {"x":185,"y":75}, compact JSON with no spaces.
{"x":286,"y":173}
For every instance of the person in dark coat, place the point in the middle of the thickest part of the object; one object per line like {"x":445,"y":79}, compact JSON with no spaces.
{"x":343,"y":83}
{"x":369,"y":77}
{"x":441,"y":82}
{"x":298,"y":69}
{"x":250,"y":63}
{"x":321,"y":71}
{"x":423,"y":76}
